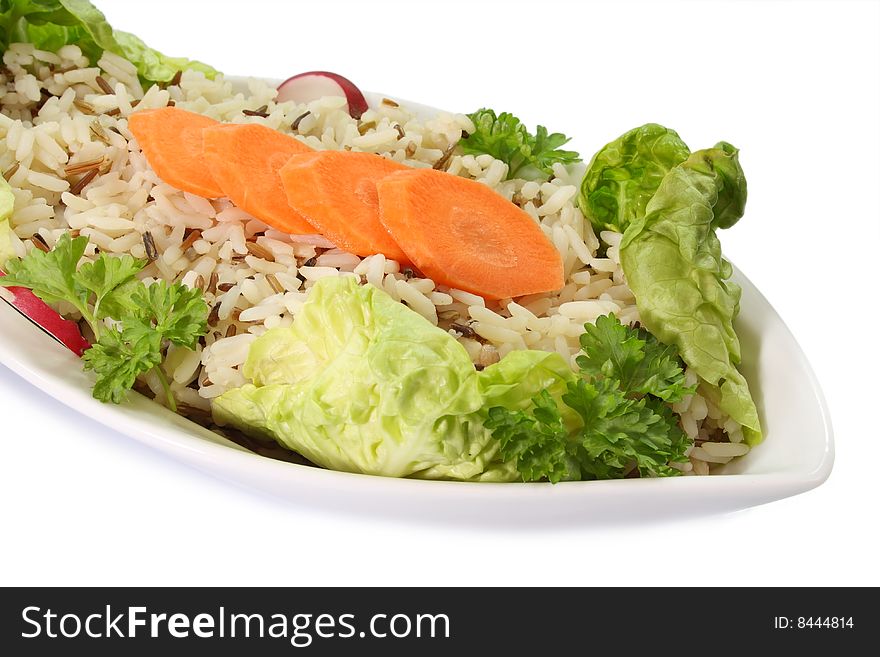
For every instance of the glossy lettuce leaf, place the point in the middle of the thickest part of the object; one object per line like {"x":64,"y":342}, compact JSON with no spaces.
{"x":151,"y":64}
{"x":722,"y":163}
{"x":623,"y":176}
{"x":673,"y":263}
{"x":361,"y":383}
{"x":520,"y":375}
{"x":7,"y":202}
{"x":51,"y":24}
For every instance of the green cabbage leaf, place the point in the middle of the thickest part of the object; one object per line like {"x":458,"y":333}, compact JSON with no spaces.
{"x":672,"y":260}
{"x":361,"y":383}
{"x":7,"y":201}
{"x":51,"y":24}
{"x":623,"y":176}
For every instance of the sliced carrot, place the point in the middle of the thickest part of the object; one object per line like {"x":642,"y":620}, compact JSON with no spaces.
{"x":245,"y":161}
{"x":462,"y":234}
{"x":336,"y":192}
{"x":171,"y":139}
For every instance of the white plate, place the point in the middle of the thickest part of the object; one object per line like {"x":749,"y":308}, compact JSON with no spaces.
{"x":796,"y":455}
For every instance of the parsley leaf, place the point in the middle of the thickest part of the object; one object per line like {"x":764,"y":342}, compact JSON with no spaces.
{"x":504,"y":137}
{"x":619,"y":432}
{"x":538,"y":441}
{"x":622,"y":399}
{"x":162,"y":312}
{"x":118,"y":362}
{"x":51,"y":276}
{"x":634,"y":357}
{"x":146,"y":317}
{"x":104,"y":276}
{"x":176,"y":312}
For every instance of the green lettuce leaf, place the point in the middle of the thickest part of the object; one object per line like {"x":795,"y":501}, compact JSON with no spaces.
{"x":51,"y":24}
{"x":623,"y":176}
{"x":152,"y":64}
{"x":361,"y":383}
{"x":520,"y":375}
{"x":7,"y":202}
{"x":7,"y":250}
{"x":673,"y":263}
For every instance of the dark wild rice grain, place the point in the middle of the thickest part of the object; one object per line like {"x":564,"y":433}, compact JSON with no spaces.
{"x":443,"y":162}
{"x":82,"y":182}
{"x":260,"y":111}
{"x":296,"y":121}
{"x":104,"y":86}
{"x":190,"y":239}
{"x":260,"y":251}
{"x":39,"y":242}
{"x":150,"y":246}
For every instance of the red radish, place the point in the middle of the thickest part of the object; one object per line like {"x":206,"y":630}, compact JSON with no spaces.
{"x":310,"y":86}
{"x":32,"y":307}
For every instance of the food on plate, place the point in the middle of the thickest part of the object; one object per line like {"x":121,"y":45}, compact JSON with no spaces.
{"x":23,"y":299}
{"x":673,"y":263}
{"x":145,"y":317}
{"x":464,"y":235}
{"x":625,"y":174}
{"x":305,"y":87}
{"x":48,"y":25}
{"x":361,"y":383}
{"x":336,"y":192}
{"x":173,"y":143}
{"x":505,"y":138}
{"x":366,"y":287}
{"x":245,"y":161}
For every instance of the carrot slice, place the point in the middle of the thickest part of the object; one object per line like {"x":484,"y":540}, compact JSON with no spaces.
{"x":336,"y":192}
{"x":245,"y":160}
{"x":462,"y":234}
{"x":171,"y":139}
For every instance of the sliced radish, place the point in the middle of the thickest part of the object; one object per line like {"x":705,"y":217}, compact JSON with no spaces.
{"x":32,"y":307}
{"x":306,"y":87}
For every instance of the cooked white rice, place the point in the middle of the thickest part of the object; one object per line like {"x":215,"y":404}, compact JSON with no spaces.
{"x":58,"y":126}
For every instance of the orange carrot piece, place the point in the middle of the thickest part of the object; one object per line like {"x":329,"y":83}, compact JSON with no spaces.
{"x":336,"y":192}
{"x":245,"y":160}
{"x":171,"y":139}
{"x":461,"y":233}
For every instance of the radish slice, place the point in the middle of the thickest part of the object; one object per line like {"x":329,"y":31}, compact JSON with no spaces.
{"x":32,"y":307}
{"x":306,"y":87}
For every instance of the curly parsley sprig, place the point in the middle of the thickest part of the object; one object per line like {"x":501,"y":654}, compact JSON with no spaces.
{"x":621,"y":399}
{"x":504,"y":137}
{"x":144,"y":318}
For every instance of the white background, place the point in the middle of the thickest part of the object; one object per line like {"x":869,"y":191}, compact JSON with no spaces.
{"x":794,"y":85}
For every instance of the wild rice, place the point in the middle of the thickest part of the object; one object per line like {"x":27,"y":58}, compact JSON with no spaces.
{"x":150,"y":246}
{"x":104,"y":85}
{"x":295,"y":125}
{"x":70,"y":159}
{"x":77,"y":188}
